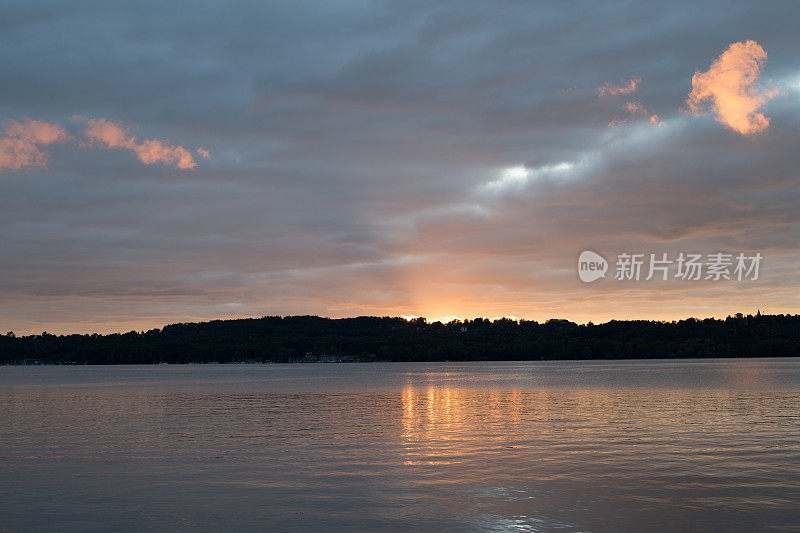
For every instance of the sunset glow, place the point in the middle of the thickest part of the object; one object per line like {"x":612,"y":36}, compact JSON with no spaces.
{"x":407,"y":176}
{"x":399,"y":266}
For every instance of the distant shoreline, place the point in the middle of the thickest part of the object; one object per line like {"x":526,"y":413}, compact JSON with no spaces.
{"x":312,"y":339}
{"x":269,"y":363}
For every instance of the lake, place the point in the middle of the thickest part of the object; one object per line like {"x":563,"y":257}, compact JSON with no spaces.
{"x":575,"y":446}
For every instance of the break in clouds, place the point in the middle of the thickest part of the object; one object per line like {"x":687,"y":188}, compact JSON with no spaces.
{"x":431,"y":160}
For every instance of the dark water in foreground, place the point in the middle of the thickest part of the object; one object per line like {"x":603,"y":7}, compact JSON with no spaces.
{"x":593,"y":446}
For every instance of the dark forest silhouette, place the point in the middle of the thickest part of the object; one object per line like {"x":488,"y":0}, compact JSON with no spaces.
{"x":311,"y":338}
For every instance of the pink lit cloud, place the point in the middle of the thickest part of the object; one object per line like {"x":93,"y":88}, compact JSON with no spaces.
{"x":21,"y":143}
{"x":617,"y":121}
{"x":625,"y":87}
{"x":730,"y":87}
{"x":634,"y":109}
{"x":111,"y":134}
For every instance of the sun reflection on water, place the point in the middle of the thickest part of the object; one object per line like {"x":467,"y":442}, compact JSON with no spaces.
{"x":439,"y":424}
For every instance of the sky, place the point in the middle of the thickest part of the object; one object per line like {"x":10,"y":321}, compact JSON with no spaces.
{"x":185,"y":161}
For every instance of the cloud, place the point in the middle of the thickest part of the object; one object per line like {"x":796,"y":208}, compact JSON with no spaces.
{"x":730,"y":87}
{"x":617,"y":121}
{"x":112,"y":134}
{"x":635,"y":108}
{"x":625,"y":87}
{"x":21,"y":143}
{"x":370,"y":115}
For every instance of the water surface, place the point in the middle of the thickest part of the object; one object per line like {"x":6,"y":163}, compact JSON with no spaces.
{"x":572,"y":446}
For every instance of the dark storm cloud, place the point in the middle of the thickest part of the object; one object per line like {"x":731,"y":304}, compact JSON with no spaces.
{"x":353,"y":144}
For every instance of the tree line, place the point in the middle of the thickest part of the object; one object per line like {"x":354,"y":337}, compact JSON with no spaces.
{"x":275,"y":339}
